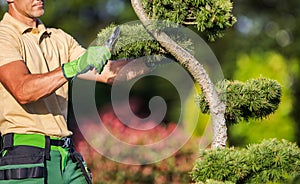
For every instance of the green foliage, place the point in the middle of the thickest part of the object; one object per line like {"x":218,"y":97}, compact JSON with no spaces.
{"x":270,"y":161}
{"x":256,"y":98}
{"x":209,"y":16}
{"x":271,"y":65}
{"x":134,"y":41}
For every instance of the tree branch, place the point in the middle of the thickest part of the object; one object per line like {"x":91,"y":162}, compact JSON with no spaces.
{"x":217,"y":108}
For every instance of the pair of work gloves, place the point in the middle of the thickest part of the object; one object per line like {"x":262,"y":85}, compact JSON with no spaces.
{"x":94,"y":57}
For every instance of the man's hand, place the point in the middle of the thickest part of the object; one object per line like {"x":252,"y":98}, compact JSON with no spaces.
{"x":111,"y":70}
{"x":94,"y":57}
{"x":134,"y":68}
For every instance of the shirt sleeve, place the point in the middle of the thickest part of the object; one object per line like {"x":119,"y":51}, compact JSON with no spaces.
{"x":75,"y":49}
{"x":10,"y":46}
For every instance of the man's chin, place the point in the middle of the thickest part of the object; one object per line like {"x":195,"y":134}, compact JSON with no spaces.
{"x":38,"y":13}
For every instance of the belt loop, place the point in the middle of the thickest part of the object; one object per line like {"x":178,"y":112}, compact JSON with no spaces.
{"x":47,"y":147}
{"x":8,"y":140}
{"x":1,"y":143}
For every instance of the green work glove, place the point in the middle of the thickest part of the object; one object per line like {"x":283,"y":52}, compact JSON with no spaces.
{"x":94,"y":57}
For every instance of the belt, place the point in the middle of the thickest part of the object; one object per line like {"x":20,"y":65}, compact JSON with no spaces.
{"x":48,"y":143}
{"x":36,"y":140}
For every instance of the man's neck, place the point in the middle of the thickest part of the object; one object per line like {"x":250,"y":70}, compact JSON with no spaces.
{"x":32,"y":22}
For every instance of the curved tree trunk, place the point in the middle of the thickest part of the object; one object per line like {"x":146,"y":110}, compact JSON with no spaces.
{"x":217,"y":108}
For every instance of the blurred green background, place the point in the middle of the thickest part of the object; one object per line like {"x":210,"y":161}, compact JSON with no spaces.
{"x":264,"y":42}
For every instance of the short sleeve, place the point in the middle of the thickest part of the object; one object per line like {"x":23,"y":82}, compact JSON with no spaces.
{"x":74,"y":48}
{"x":10,"y":46}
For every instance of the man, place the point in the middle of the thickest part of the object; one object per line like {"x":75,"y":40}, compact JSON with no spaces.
{"x":36,"y":64}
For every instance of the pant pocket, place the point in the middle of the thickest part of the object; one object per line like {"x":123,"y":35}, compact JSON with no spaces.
{"x":22,"y":164}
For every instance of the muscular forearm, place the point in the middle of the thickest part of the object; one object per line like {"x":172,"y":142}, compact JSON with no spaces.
{"x":135,"y":68}
{"x":26,"y":87}
{"x":37,"y":86}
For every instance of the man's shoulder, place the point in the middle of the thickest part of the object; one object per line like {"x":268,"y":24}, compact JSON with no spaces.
{"x":8,"y":25}
{"x":8,"y":29}
{"x":5,"y":26}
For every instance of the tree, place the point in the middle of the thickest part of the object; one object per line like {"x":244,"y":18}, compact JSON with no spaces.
{"x":197,"y":71}
{"x":211,"y":17}
{"x":256,"y":98}
{"x":244,"y":107}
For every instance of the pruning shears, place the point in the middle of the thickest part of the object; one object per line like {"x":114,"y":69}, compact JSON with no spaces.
{"x":111,"y":42}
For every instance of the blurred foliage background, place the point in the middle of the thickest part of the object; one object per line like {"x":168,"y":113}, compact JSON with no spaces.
{"x":263,"y":42}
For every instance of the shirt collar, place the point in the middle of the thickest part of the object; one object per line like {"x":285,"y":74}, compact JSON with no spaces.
{"x":23,"y":28}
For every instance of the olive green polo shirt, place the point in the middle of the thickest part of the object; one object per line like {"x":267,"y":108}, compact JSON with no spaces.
{"x":42,"y":50}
